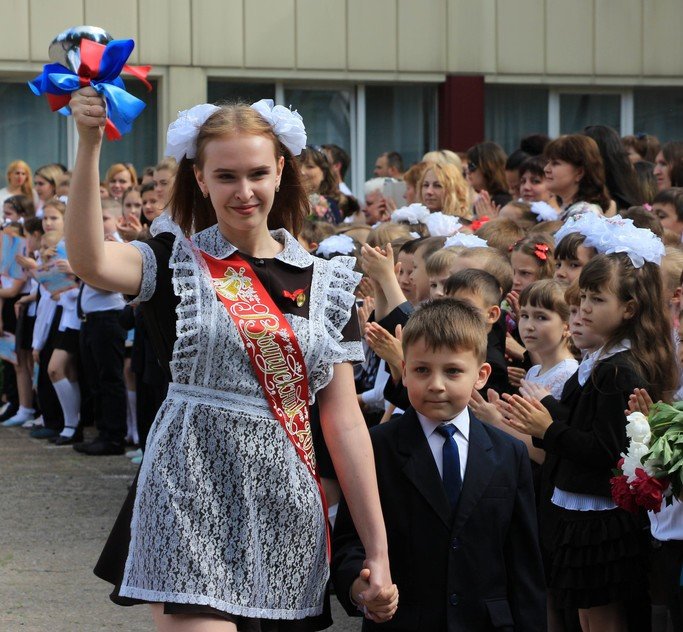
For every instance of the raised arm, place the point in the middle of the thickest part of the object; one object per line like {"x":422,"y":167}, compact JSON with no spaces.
{"x":108,"y":266}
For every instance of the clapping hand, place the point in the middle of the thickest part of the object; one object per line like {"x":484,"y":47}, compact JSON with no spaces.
{"x":529,"y":417}
{"x":639,"y":402}
{"x":386,"y":346}
{"x":378,"y":264}
{"x":532,"y":390}
{"x":129,"y":227}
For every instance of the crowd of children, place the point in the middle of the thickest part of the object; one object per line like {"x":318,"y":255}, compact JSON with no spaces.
{"x":505,"y":332}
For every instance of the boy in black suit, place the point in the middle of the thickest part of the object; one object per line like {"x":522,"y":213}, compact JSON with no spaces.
{"x":456,"y":495}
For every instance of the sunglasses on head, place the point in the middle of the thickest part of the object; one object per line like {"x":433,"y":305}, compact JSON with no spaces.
{"x":471,"y":167}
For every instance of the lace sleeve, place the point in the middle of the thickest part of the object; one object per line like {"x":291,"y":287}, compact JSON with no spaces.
{"x":149,"y":273}
{"x":338,"y":282}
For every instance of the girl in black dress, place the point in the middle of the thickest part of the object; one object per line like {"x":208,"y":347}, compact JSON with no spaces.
{"x":597,"y":564}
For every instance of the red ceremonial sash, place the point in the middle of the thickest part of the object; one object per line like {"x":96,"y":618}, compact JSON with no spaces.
{"x":273,"y":350}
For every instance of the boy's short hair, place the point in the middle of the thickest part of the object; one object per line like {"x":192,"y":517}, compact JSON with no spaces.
{"x":440,"y":262}
{"x":501,"y":233}
{"x":572,"y":295}
{"x":429,"y":245}
{"x":314,"y":231}
{"x":387,"y":232}
{"x":642,"y":218}
{"x":447,"y":323}
{"x":410,"y":246}
{"x":673,"y":196}
{"x":112,"y":206}
{"x":672,"y":268}
{"x":492,"y":261}
{"x":478,"y":282}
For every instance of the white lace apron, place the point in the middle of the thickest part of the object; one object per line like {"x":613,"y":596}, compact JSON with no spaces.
{"x":226,"y":514}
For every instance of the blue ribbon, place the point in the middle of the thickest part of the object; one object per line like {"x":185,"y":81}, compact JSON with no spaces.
{"x":122,"y":108}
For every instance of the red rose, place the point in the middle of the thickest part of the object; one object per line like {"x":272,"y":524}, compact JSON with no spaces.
{"x":622,"y":494}
{"x":648,"y":490}
{"x":620,"y":463}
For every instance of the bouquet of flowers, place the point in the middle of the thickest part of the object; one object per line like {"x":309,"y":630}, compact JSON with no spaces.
{"x":652,"y":468}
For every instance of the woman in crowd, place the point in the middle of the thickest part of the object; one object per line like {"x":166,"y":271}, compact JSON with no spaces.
{"x":486,"y":172}
{"x":442,"y":188}
{"x":45,"y":183}
{"x":575,"y":174}
{"x":669,"y":165}
{"x":120,"y":177}
{"x":19,"y":182}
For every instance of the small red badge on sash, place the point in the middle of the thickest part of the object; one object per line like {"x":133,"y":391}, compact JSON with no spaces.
{"x":273,"y":350}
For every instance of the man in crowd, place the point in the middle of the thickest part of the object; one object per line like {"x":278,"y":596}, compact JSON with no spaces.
{"x":340,"y":162}
{"x":389,"y":165}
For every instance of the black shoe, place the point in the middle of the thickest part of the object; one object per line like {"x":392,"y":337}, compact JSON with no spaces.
{"x":100,"y":447}
{"x":43,"y":433}
{"x":12,"y":410}
{"x":60,"y":440}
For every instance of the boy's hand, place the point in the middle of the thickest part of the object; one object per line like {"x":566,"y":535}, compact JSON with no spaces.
{"x":379,"y":608}
{"x":486,"y":411}
{"x":378,"y":264}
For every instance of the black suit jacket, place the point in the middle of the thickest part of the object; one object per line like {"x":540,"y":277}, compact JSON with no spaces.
{"x":479,"y":569}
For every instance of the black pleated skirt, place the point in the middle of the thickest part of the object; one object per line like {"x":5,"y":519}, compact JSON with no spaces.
{"x":599,"y":557}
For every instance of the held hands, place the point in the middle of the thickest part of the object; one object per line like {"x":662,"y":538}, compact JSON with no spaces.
{"x":89,"y":112}
{"x":378,"y":602}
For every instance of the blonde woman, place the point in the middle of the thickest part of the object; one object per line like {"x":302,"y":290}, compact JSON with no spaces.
{"x":443,"y":188}
{"x":19,"y":182}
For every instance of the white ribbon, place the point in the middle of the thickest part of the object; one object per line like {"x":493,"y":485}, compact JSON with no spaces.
{"x":181,"y":137}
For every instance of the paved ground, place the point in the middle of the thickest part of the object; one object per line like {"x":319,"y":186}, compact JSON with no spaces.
{"x":56,"y":509}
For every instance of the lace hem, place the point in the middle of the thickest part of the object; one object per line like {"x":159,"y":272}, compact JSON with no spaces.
{"x":149,"y":273}
{"x":340,"y":281}
{"x":224,"y":606}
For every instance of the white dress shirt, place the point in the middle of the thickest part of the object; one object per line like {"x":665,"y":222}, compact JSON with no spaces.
{"x":436,"y":441}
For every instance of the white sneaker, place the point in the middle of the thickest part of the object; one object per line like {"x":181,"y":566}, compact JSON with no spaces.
{"x":131,"y":454}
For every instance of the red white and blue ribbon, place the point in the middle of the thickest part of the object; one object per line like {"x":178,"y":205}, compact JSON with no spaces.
{"x":101,"y":67}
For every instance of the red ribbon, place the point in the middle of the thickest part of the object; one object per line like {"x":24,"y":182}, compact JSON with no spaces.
{"x":91,"y":56}
{"x":274,"y":351}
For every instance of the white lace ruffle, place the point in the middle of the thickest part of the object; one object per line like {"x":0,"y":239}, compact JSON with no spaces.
{"x":226,"y":514}
{"x":340,"y":279}
{"x":149,"y":272}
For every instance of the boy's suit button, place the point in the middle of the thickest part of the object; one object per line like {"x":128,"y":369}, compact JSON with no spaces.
{"x":455,"y":544}
{"x":454,"y":599}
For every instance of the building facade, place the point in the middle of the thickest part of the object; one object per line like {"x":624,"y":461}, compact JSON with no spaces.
{"x":369,"y":75}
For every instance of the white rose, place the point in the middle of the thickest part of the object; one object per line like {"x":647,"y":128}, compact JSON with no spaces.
{"x":632,"y":460}
{"x":638,"y":428}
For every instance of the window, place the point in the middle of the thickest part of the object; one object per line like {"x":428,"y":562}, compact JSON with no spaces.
{"x":326,"y":113}
{"x":232,"y":91}
{"x":29,"y":130}
{"x":659,"y":111}
{"x":140,"y":145}
{"x":512,"y":112}
{"x":579,"y":110}
{"x":399,"y":118}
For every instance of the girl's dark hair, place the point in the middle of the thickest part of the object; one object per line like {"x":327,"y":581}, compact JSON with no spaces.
{"x":534,"y":144}
{"x":22,"y":204}
{"x":620,"y":177}
{"x":645,"y":145}
{"x":515,"y":159}
{"x":673,"y":154}
{"x":569,"y":245}
{"x":649,"y":328}
{"x":490,"y":159}
{"x":328,"y":186}
{"x":582,"y":152}
{"x":147,"y":187}
{"x":534,"y":165}
{"x":33,"y":225}
{"x":191,"y":211}
{"x":646,"y":178}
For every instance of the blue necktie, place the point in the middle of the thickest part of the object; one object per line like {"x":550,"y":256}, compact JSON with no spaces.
{"x":451,"y":464}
